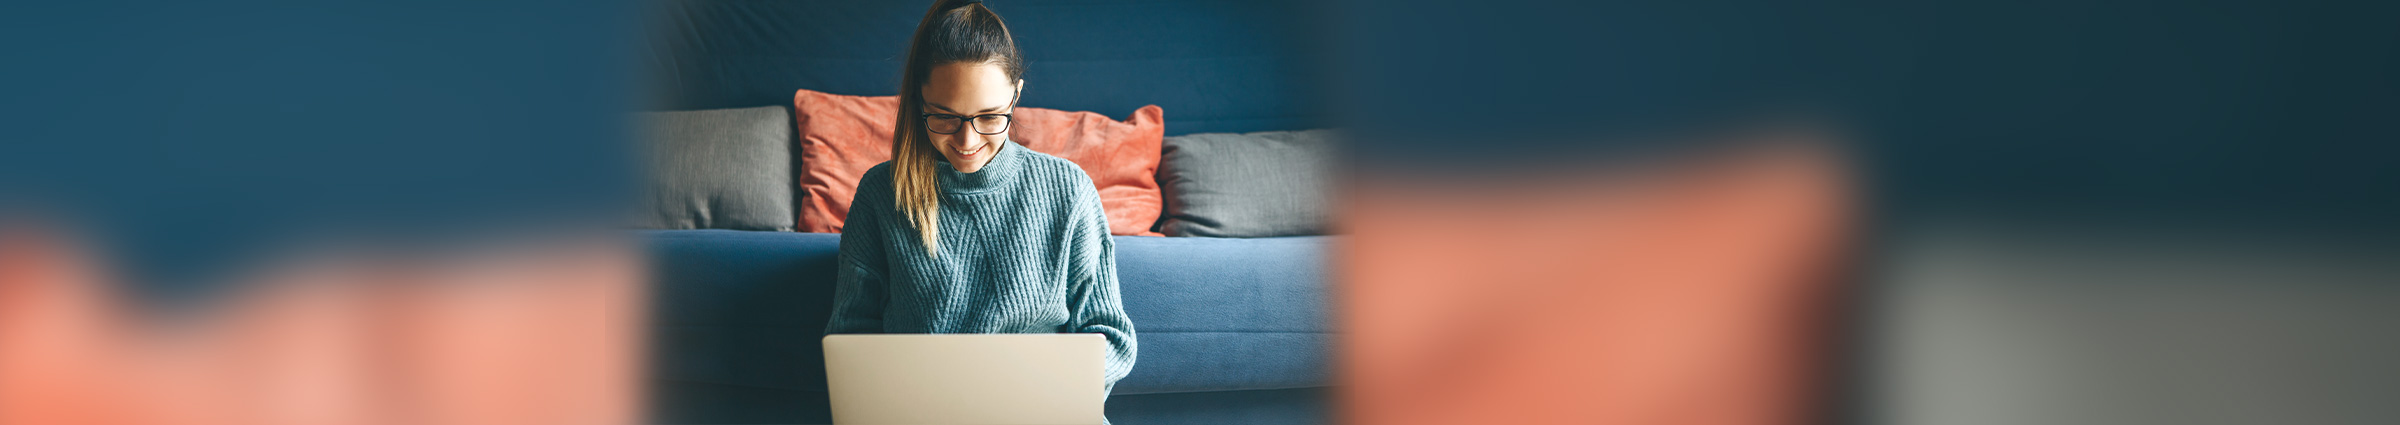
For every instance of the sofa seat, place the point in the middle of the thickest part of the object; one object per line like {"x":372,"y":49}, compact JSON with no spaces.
{"x":1231,"y":330}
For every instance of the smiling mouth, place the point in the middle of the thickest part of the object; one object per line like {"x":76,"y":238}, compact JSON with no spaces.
{"x":978,"y":151}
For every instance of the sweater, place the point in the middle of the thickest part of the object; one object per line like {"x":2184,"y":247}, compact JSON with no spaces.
{"x":1024,"y":246}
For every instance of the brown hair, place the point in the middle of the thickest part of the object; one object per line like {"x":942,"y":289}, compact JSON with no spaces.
{"x":953,"y":31}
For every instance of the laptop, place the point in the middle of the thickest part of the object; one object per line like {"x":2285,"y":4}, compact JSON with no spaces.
{"x":966,"y":378}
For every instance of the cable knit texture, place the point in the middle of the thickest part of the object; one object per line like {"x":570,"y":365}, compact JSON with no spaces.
{"x":1024,"y":249}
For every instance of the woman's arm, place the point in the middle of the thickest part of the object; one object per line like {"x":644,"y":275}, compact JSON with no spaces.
{"x":859,"y":286}
{"x":1092,"y":300}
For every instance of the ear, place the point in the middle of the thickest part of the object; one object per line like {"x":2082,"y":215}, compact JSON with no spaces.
{"x":1020,"y":87}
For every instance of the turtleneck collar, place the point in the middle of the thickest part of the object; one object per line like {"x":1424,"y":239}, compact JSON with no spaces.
{"x":995,"y":174}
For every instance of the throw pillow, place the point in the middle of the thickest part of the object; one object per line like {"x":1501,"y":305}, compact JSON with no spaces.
{"x":1247,"y":185}
{"x":842,"y":136}
{"x":718,"y":169}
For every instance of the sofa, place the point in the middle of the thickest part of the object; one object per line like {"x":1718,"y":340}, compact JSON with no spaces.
{"x":1232,"y":330}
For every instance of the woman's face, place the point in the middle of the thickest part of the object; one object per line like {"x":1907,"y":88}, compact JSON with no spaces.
{"x":967,"y":90}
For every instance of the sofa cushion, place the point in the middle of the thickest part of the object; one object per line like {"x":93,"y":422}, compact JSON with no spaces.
{"x":1247,"y":185}
{"x":748,"y":309}
{"x":1226,"y":314}
{"x":842,"y":136}
{"x":718,"y":169}
{"x":740,"y":308}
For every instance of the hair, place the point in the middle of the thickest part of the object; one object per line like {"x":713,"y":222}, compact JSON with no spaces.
{"x":954,"y":31}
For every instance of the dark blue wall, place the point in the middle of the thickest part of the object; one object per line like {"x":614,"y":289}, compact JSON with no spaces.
{"x":1214,"y":66}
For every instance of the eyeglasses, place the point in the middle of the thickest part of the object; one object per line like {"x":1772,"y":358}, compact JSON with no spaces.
{"x":986,"y":124}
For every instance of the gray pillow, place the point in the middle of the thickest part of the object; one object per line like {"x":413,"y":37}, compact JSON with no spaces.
{"x":1247,"y":185}
{"x":719,"y":169}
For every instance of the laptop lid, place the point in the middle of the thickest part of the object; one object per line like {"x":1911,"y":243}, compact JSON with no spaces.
{"x":966,"y":378}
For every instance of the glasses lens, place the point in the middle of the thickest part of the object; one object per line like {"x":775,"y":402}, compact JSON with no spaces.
{"x":991,"y":124}
{"x":943,"y":124}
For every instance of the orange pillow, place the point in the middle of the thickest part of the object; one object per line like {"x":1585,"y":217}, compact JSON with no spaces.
{"x":842,"y":136}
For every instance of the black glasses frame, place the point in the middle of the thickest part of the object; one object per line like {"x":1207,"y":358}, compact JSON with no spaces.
{"x":967,"y":122}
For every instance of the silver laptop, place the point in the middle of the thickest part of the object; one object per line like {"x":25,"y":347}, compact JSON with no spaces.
{"x":966,"y":378}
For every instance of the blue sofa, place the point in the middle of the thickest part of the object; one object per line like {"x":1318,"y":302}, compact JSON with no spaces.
{"x":1232,"y":330}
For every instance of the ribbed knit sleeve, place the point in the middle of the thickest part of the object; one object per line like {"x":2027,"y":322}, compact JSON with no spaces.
{"x":1093,"y":306}
{"x":860,"y":288}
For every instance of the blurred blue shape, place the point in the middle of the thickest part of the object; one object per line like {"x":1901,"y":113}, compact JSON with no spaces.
{"x":195,"y":138}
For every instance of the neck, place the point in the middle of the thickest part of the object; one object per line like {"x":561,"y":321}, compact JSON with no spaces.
{"x":995,"y":173}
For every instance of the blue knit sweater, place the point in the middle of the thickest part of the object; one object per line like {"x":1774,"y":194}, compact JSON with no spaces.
{"x":1024,"y":249}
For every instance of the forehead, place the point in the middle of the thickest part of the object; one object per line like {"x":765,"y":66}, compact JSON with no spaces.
{"x":968,"y":87}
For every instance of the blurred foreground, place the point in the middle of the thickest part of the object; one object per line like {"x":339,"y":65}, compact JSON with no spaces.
{"x":523,"y":335}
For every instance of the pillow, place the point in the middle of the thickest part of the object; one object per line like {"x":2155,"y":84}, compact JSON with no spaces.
{"x":842,"y":136}
{"x":718,"y":169}
{"x":1247,"y":185}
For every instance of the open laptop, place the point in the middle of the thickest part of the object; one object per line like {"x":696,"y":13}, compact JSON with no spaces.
{"x":966,"y":378}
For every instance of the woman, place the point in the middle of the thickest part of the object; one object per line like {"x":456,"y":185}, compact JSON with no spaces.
{"x":964,"y":230}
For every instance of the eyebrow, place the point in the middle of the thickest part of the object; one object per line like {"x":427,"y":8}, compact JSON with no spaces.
{"x":954,"y":111}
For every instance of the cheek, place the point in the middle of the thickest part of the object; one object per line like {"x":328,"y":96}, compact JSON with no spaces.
{"x":941,"y":142}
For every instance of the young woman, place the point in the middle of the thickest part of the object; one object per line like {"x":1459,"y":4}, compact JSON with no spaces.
{"x":965,"y":231}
